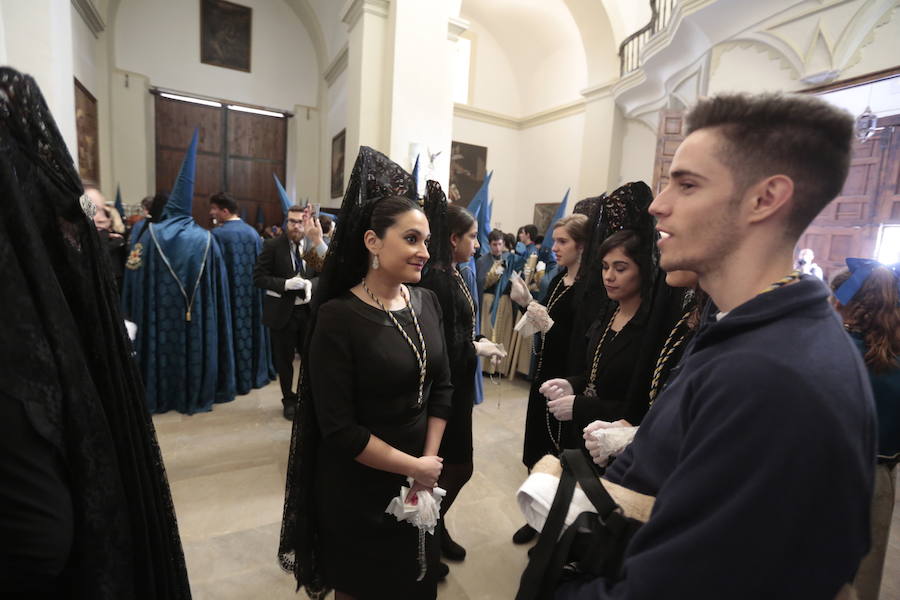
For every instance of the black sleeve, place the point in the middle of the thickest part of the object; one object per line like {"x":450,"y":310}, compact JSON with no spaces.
{"x":332,"y":379}
{"x":264,"y":269}
{"x":457,"y":326}
{"x":441,"y":396}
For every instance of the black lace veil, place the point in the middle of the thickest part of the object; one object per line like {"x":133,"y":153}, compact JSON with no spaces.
{"x":65,"y":355}
{"x":373,"y":178}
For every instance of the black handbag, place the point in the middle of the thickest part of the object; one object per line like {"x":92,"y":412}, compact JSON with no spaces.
{"x":591,"y":547}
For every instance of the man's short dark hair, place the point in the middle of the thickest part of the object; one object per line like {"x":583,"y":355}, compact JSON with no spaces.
{"x":495,"y":235}
{"x":296,"y":208}
{"x":531,"y":230}
{"x":800,"y":136}
{"x":226,"y":201}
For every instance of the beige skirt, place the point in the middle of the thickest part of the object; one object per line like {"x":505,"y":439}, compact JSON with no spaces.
{"x":501,"y":334}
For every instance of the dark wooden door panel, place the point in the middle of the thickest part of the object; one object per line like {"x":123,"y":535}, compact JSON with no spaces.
{"x":237,"y":152}
{"x":256,"y":136}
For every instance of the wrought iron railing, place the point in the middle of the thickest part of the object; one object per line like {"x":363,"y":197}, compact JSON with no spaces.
{"x":631,"y":49}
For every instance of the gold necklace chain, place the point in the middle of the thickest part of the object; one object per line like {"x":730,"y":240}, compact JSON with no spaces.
{"x":794,"y":276}
{"x":668,"y":348}
{"x":421,"y":357}
{"x":591,"y":389}
{"x":465,"y":290}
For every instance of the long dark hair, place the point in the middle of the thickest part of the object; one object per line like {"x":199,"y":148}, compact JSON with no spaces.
{"x":874,"y":313}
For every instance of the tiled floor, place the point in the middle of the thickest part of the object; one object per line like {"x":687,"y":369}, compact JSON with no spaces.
{"x":227,"y":468}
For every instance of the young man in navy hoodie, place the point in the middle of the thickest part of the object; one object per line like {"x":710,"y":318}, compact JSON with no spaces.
{"x":760,"y":452}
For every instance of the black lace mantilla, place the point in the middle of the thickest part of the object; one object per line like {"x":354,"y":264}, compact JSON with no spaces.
{"x":65,"y":356}
{"x":374,"y":177}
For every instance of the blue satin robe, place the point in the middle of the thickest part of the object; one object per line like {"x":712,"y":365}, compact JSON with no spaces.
{"x":240,"y":245}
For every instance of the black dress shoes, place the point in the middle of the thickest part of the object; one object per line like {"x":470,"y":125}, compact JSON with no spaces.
{"x":524,"y":535}
{"x":450,"y":549}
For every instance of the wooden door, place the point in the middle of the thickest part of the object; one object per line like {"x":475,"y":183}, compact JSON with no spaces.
{"x":237,"y":152}
{"x":850,"y":224}
{"x":671,"y":134}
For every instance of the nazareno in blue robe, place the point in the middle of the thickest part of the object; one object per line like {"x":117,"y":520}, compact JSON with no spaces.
{"x":240,"y":245}
{"x":175,"y":290}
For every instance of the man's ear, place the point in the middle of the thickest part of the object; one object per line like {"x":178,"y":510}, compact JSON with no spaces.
{"x":773,"y":195}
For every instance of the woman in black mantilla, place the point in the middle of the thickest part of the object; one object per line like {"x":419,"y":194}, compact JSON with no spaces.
{"x":374,"y":399}
{"x":543,"y":433}
{"x":85,"y":508}
{"x":454,"y":235}
{"x":614,"y":379}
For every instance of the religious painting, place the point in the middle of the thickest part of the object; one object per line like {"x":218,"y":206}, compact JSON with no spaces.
{"x":543,"y":214}
{"x":337,"y":163}
{"x":468,"y":167}
{"x":86,"y":126}
{"x":225,"y":34}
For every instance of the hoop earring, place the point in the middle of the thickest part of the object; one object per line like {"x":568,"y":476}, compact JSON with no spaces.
{"x":375,"y":263}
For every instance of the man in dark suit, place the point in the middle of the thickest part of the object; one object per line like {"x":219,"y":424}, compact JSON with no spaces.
{"x":287,"y":269}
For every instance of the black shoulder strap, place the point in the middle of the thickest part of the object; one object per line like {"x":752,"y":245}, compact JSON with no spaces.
{"x":575,"y":461}
{"x":533,"y":578}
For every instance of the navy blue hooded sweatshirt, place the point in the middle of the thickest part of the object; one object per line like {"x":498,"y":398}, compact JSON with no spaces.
{"x":760,"y":453}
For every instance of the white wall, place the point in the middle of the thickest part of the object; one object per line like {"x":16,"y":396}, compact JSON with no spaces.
{"x":503,"y":159}
{"x":133,"y":136}
{"x":493,"y":84}
{"x":333,"y":122}
{"x":550,"y":162}
{"x":750,"y":67}
{"x":638,"y":153}
{"x":161,"y":39}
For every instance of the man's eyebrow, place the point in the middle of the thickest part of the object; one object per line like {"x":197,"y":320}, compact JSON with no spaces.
{"x":678,"y":173}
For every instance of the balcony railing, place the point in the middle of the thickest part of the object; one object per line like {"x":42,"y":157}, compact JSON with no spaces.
{"x":631,"y":49}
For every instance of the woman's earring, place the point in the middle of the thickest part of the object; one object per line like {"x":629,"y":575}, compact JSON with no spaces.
{"x":375,"y":264}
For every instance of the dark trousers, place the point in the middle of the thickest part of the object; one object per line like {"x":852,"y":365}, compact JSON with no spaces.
{"x":286,"y":342}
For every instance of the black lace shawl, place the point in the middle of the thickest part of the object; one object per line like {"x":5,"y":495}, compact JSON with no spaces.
{"x":661,"y":306}
{"x":440,"y":278}
{"x":65,"y":355}
{"x":374,"y":177}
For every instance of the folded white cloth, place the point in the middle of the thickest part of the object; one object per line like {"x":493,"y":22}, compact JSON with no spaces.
{"x":535,"y":497}
{"x":424,"y":514}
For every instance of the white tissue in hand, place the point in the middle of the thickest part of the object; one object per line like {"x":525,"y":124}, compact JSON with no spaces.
{"x":612,"y":441}
{"x":424,"y":514}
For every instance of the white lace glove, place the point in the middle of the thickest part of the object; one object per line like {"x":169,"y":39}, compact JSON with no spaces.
{"x":534,"y":320}
{"x":519,"y":292}
{"x":498,"y":268}
{"x":488,"y":349}
{"x":604,"y":439}
{"x":562,"y":408}
{"x":541,"y":266}
{"x":553,"y":389}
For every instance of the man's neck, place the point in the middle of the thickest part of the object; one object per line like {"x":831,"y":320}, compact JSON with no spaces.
{"x":744,"y":275}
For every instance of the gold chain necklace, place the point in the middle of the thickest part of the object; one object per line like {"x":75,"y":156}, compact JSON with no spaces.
{"x":591,"y":389}
{"x":465,"y":290}
{"x":794,"y":276}
{"x":421,"y":357}
{"x":668,"y":348}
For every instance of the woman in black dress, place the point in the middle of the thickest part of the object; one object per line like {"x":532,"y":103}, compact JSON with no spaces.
{"x":543,"y":433}
{"x":454,"y":240}
{"x":375,"y":397}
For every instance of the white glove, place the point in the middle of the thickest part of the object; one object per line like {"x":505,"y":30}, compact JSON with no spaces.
{"x":541,"y":266}
{"x":488,"y":349}
{"x":131,"y":328}
{"x":498,"y":268}
{"x":519,"y":292}
{"x":295,"y":283}
{"x":562,"y":407}
{"x":552,"y":389}
{"x":604,"y":440}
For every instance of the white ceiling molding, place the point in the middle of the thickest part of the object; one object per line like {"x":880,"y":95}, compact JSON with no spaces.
{"x":473,"y":113}
{"x":456,"y":27}
{"x":337,"y":66}
{"x":354,"y":9}
{"x":90,"y":15}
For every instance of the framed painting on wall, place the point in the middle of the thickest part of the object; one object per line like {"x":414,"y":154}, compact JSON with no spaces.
{"x":468,"y":167}
{"x":543,"y":214}
{"x":225,"y":34}
{"x":86,"y":126}
{"x":337,"y":163}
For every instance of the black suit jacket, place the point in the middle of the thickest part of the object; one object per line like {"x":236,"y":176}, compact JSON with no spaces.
{"x":273,"y":267}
